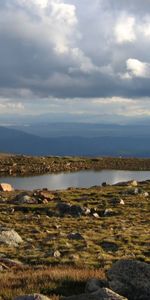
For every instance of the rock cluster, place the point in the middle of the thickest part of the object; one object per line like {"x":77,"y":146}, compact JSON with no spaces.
{"x":67,"y":209}
{"x":39,"y":196}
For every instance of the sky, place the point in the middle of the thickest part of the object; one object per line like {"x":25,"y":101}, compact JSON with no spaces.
{"x":75,"y":60}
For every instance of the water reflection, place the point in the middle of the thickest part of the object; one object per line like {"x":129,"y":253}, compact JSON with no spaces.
{"x":76,"y":179}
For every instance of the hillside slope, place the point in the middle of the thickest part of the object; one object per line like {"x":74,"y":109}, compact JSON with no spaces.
{"x":16,"y":141}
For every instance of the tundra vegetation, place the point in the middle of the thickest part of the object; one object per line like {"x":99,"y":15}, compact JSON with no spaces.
{"x":52,"y":242}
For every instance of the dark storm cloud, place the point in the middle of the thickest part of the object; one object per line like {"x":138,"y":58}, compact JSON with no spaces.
{"x":74,"y":48}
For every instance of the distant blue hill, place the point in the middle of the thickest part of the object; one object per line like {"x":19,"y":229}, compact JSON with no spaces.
{"x":45,"y":129}
{"x":15,"y":141}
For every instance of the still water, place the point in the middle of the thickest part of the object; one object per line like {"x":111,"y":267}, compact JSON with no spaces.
{"x":75,"y":179}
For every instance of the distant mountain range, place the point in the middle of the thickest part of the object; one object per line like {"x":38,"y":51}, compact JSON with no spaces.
{"x":15,"y":141}
{"x":46,"y":129}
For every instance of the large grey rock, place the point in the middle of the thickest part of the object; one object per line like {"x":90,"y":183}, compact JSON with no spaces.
{"x":10,"y":237}
{"x":130,"y":278}
{"x":32,"y":297}
{"x":94,"y":284}
{"x":25,"y":198}
{"x":101,"y":294}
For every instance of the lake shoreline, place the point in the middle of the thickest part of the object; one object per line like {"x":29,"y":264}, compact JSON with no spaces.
{"x":78,"y":179}
{"x":22,"y":165}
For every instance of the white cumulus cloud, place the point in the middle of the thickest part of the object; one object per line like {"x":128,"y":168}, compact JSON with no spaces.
{"x":125,"y":29}
{"x":137,"y":68}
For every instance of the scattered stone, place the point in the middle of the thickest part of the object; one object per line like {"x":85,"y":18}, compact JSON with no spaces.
{"x":74,"y":257}
{"x":109,"y":246}
{"x":10,"y":237}
{"x":116,"y":200}
{"x":32,"y":297}
{"x":122,"y":202}
{"x":146,"y":194}
{"x":45,"y":201}
{"x":108,"y":212}
{"x":75,"y":236}
{"x":134,"y":183}
{"x":87,"y":211}
{"x":57,"y":254}
{"x":136,"y":191}
{"x":29,"y":240}
{"x":130,"y":278}
{"x":6,"y":187}
{"x":57,"y":226}
{"x":96,"y":215}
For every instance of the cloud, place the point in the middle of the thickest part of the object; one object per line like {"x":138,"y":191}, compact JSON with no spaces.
{"x":137,"y":68}
{"x":144,"y":27}
{"x":124,"y":29}
{"x":45,"y":23}
{"x":9,"y":107}
{"x":70,"y":49}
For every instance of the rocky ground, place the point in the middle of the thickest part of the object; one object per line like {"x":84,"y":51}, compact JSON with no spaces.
{"x":54,"y":242}
{"x":25,"y":165}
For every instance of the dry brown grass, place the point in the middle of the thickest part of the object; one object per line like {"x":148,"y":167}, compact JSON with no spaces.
{"x":49,"y":281}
